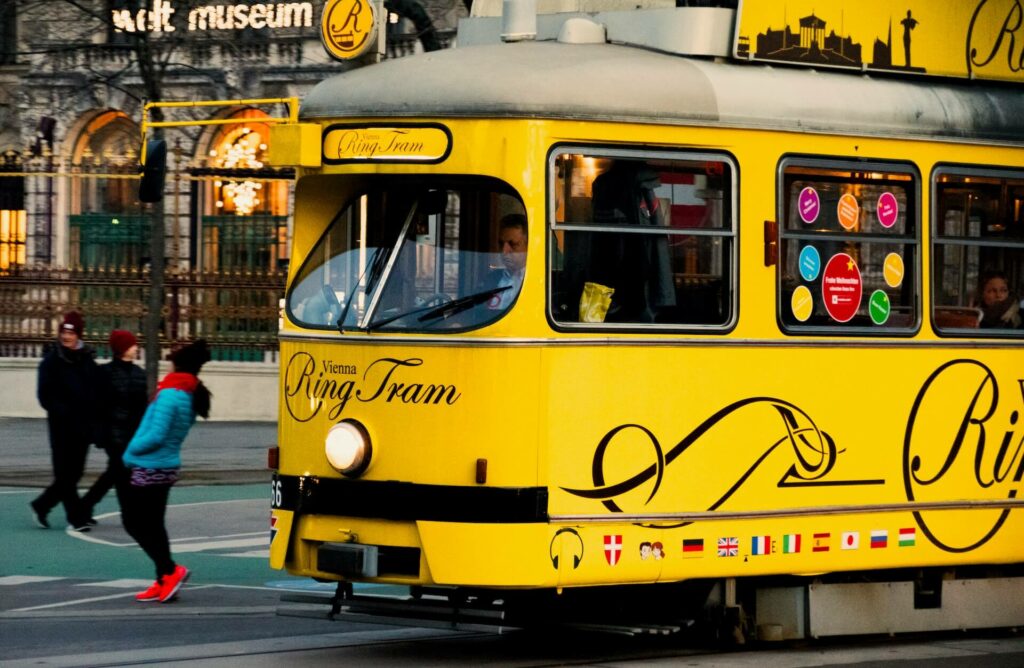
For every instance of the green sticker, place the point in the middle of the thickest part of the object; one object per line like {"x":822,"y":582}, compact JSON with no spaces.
{"x":879,"y":307}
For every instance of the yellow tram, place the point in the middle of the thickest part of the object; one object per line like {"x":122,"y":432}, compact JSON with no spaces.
{"x":609,"y":319}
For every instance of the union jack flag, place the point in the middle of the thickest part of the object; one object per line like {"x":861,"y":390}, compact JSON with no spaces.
{"x":728,"y":547}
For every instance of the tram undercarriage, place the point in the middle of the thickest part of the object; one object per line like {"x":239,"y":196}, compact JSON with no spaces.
{"x":725,"y":611}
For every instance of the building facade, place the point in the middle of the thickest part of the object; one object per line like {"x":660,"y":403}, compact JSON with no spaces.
{"x":74,"y":77}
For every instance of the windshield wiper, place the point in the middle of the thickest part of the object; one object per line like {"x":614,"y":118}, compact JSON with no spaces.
{"x":444,"y":310}
{"x":372,"y":273}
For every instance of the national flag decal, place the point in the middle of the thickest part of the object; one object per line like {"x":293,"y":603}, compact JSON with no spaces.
{"x":728,"y":547}
{"x":791,"y":543}
{"x":821,"y":542}
{"x":273,"y":527}
{"x":879,"y":539}
{"x":612,"y":549}
{"x":693,"y":547}
{"x":851,"y":540}
{"x":908,"y":537}
{"x":760,"y":545}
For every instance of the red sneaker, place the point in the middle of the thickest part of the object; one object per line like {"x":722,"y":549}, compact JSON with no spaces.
{"x":172,"y":583}
{"x":151,"y":594}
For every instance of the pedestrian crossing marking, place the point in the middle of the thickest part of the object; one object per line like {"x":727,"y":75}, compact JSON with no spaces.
{"x":125,"y":583}
{"x":8,"y":580}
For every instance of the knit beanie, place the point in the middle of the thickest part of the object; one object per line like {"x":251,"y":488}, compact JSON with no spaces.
{"x":73,"y":322}
{"x":191,"y":358}
{"x":120,"y":341}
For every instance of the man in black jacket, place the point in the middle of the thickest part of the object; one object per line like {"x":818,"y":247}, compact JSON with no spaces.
{"x":67,"y":391}
{"x":122,"y":398}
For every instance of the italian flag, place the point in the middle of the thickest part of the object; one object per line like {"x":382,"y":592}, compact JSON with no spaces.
{"x":907,"y":537}
{"x":791,"y":543}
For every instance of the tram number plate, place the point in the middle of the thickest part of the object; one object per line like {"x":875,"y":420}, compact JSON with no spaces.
{"x":283,"y":492}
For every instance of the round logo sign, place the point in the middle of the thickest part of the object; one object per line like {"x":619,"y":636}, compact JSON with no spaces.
{"x":888,"y":210}
{"x":809,"y":205}
{"x":848,"y":211}
{"x":841,"y":287}
{"x":810,"y":263}
{"x":802,"y":303}
{"x":348,"y":28}
{"x":879,"y":307}
{"x":893,"y":270}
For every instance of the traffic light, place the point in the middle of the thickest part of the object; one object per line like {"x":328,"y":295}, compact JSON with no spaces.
{"x":154,"y":170}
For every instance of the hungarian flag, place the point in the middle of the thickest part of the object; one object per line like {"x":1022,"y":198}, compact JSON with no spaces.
{"x":908,"y":537}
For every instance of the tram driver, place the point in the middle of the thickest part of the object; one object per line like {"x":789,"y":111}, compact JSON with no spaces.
{"x":513,"y":238}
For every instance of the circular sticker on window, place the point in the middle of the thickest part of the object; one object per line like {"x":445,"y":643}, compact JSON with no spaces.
{"x":888,"y":210}
{"x":848,"y":211}
{"x":879,"y":307}
{"x":810,"y":263}
{"x":809,"y":205}
{"x":893,"y":270}
{"x":802,"y":303}
{"x":841,"y":287}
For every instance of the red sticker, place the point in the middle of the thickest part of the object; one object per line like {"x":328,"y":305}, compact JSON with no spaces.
{"x":841,"y":287}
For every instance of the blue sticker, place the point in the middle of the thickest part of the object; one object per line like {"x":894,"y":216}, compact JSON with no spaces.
{"x":810,"y":263}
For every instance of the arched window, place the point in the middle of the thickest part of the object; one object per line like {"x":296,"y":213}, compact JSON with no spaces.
{"x":106,"y":225}
{"x":244,"y":223}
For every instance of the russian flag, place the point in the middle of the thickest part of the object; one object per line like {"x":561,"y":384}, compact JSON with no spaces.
{"x":879,"y":538}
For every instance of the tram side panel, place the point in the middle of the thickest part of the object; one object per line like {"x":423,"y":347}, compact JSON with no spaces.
{"x":745,"y":460}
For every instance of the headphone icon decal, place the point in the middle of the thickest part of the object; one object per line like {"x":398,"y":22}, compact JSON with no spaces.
{"x":576,"y":558}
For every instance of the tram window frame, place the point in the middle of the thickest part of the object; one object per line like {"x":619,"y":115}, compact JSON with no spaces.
{"x":963,"y":326}
{"x":861,"y":172}
{"x":726,"y":232}
{"x":476,"y":253}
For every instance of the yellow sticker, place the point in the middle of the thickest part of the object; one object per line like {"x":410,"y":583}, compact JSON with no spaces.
{"x":893,"y":269}
{"x":802,"y":303}
{"x":348,"y":28}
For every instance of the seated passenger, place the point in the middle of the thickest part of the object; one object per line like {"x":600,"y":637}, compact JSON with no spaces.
{"x":1000,"y":308}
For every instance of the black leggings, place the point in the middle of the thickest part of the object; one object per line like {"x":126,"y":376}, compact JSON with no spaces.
{"x":142,"y":513}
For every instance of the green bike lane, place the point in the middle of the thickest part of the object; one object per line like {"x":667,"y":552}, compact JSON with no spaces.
{"x":221,"y":532}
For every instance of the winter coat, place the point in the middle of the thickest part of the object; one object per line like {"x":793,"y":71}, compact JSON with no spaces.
{"x":123,"y":398}
{"x":68,"y":387}
{"x":168,"y":418}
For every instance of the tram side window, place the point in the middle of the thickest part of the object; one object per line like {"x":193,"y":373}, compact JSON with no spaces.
{"x":978,"y":252}
{"x":642,"y":241}
{"x":849,"y":244}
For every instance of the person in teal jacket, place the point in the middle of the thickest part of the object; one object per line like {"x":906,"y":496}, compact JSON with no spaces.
{"x":152,"y":461}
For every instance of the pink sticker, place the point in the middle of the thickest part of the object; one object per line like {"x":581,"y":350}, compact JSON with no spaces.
{"x":888,"y":210}
{"x":841,"y":287}
{"x":809,"y":205}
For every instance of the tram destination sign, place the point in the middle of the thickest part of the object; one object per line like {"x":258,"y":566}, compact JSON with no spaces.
{"x":396,"y":142}
{"x":982,"y":39}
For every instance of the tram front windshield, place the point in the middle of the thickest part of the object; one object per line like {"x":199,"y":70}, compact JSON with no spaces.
{"x":415,"y":255}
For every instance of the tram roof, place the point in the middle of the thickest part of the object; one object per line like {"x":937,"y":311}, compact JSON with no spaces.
{"x":550,"y":79}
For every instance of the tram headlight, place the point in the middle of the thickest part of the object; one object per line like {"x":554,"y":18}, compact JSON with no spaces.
{"x":348,"y":448}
